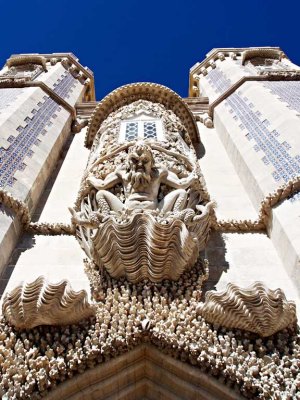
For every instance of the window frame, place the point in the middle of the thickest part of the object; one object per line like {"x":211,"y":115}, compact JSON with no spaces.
{"x":140,"y":120}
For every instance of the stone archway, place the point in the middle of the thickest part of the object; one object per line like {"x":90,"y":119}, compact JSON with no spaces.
{"x":143,"y":374}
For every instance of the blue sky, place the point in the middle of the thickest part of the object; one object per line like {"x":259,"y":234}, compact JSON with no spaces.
{"x":157,"y":41}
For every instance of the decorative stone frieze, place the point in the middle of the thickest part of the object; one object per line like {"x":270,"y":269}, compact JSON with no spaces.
{"x":23,"y":69}
{"x":27,"y":67}
{"x":264,"y":217}
{"x":21,"y":73}
{"x":27,"y":59}
{"x":17,"y":206}
{"x":43,"y":303}
{"x":262,"y":53}
{"x":34,"y":361}
{"x":48,"y":228}
{"x":75,"y":71}
{"x":281,"y":74}
{"x":243,"y":54}
{"x":256,"y":309}
{"x":127,"y":94}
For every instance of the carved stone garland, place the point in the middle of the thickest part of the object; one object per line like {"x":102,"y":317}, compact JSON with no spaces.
{"x":140,"y":210}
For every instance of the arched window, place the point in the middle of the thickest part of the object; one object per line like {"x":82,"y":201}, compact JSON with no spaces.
{"x":141,"y":127}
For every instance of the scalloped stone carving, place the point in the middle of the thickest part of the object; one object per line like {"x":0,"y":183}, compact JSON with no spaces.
{"x":256,"y":309}
{"x":146,"y":247}
{"x":42,"y":303}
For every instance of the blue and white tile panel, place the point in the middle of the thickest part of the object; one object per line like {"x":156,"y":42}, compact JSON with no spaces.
{"x":273,"y":150}
{"x":286,"y":91}
{"x":12,"y":159}
{"x":53,"y":77}
{"x":231,"y":70}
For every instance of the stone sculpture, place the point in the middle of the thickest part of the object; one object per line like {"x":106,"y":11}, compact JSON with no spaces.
{"x":141,"y":181}
{"x":140,"y":211}
{"x":256,"y":309}
{"x":164,"y":316}
{"x":42,"y":303}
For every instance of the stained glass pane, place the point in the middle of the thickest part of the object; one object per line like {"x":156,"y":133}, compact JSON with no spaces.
{"x":150,"y":130}
{"x":131,"y":132}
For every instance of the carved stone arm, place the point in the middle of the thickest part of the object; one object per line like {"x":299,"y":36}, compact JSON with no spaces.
{"x":79,"y":219}
{"x":111,"y":180}
{"x":172,"y":180}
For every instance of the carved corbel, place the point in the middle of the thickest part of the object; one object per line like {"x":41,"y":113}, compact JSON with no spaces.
{"x":221,"y":56}
{"x":78,"y":124}
{"x":203,"y":71}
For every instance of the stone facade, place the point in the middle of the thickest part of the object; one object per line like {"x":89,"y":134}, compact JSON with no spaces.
{"x":149,"y":244}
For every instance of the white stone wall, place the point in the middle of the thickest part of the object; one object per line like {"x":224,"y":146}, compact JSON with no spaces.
{"x":230,"y":69}
{"x":258,"y":126}
{"x":34,"y":129}
{"x":244,"y":258}
{"x":55,"y":257}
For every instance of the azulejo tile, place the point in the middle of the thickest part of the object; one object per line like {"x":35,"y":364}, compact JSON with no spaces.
{"x":21,"y":145}
{"x":242,"y":110}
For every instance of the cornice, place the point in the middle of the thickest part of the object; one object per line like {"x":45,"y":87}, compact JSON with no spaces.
{"x":33,"y":57}
{"x":233,"y":52}
{"x":241,"y":53}
{"x":262,"y":52}
{"x":127,"y":94}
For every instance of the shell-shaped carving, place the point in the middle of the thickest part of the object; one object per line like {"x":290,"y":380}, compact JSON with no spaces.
{"x":41,"y":303}
{"x":144,"y":248}
{"x":256,"y":309}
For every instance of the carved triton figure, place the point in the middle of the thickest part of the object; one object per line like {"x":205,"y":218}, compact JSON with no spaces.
{"x":146,"y":231}
{"x":141,"y":181}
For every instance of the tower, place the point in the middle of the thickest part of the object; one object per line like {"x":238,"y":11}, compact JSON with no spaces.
{"x":145,"y":236}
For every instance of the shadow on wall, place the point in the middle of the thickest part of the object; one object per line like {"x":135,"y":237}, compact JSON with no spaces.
{"x":44,"y":197}
{"x":215,"y":254}
{"x":200,"y":150}
{"x":26,"y":242}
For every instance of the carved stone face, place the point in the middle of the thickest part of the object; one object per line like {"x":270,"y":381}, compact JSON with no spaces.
{"x":140,"y":159}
